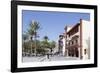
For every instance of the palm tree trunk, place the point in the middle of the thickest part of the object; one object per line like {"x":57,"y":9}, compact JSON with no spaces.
{"x":35,"y":47}
{"x":24,"y":48}
{"x":31,"y":46}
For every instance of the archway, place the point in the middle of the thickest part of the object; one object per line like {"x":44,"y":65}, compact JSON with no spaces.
{"x":76,"y":52}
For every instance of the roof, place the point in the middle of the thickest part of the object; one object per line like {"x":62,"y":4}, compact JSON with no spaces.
{"x":73,"y":28}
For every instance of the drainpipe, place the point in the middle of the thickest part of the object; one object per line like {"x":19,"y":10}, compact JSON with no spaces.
{"x":81,"y":56}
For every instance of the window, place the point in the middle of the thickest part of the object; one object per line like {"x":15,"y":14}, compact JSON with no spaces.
{"x":76,"y":41}
{"x":72,"y":42}
{"x":85,"y":51}
{"x":69,"y":43}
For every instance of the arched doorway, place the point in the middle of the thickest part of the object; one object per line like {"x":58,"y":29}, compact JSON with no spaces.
{"x":76,"y":52}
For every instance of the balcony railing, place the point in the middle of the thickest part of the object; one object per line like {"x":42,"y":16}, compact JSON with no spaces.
{"x":73,"y":45}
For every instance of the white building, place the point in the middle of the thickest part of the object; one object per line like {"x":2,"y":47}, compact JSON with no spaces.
{"x":76,"y":40}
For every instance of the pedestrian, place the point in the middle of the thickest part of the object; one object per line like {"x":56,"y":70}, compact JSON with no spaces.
{"x":48,"y":56}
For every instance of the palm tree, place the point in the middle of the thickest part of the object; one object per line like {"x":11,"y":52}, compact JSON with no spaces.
{"x":32,"y":31}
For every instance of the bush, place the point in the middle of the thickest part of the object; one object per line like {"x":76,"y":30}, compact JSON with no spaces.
{"x":41,"y":51}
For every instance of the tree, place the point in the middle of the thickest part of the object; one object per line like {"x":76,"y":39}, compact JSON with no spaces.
{"x":48,"y":45}
{"x":27,"y":47}
{"x":40,"y":47}
{"x":52,"y":45}
{"x":45,"y":43}
{"x":24,"y":38}
{"x":32,"y":31}
{"x":46,"y":38}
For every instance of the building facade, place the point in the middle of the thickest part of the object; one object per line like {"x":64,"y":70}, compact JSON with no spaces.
{"x":76,"y":40}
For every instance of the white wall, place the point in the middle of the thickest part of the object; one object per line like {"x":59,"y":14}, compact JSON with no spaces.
{"x":5,"y":37}
{"x":63,"y":46}
{"x":85,"y":36}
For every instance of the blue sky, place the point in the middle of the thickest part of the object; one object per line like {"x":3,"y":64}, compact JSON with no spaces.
{"x":51,"y":23}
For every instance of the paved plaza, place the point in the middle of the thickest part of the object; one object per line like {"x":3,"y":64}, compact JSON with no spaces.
{"x":45,"y":58}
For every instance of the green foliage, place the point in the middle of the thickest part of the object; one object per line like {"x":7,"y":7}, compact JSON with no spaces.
{"x":41,"y":51}
{"x":33,"y":28}
{"x":36,"y":46}
{"x":27,"y":46}
{"x":24,"y":37}
{"x":45,"y":43}
{"x":52,"y":44}
{"x":32,"y":31}
{"x":46,"y":38}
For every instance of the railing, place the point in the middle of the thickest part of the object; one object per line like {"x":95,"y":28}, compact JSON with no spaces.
{"x":72,"y":45}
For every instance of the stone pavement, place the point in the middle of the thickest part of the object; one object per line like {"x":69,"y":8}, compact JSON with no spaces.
{"x":51,"y":58}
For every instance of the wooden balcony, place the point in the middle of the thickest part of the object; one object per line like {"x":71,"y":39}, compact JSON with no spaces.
{"x":72,"y":46}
